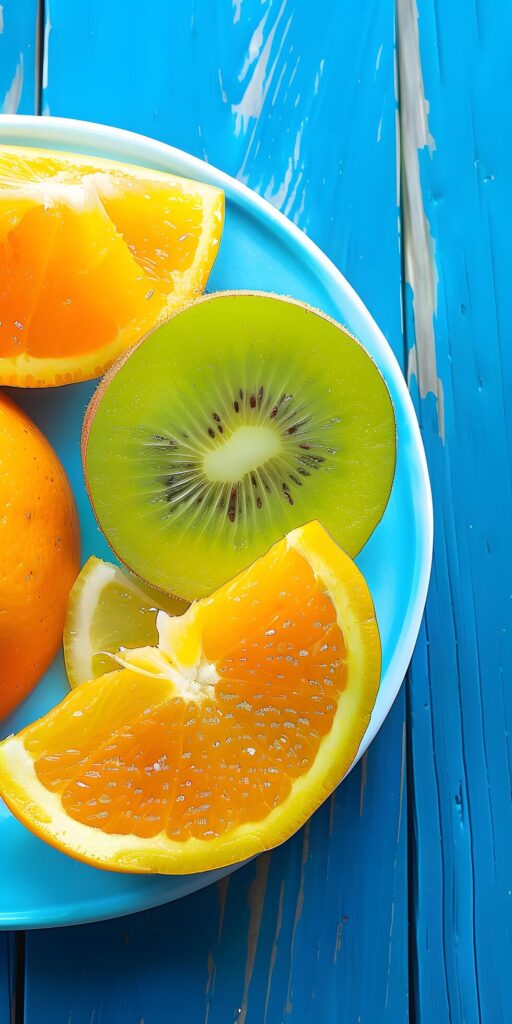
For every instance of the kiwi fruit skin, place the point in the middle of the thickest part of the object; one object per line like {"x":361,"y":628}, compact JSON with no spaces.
{"x":349,"y":494}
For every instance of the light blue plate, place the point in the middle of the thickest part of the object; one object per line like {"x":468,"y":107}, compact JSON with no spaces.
{"x":261,"y":250}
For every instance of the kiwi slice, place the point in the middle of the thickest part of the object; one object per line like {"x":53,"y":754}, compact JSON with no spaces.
{"x":243,"y":416}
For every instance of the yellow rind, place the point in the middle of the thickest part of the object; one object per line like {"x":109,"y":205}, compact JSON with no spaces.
{"x":42,"y":811}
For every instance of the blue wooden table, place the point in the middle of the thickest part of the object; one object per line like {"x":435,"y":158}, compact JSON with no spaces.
{"x":385,"y":133}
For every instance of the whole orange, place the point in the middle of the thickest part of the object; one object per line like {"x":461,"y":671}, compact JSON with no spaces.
{"x":39,"y":553}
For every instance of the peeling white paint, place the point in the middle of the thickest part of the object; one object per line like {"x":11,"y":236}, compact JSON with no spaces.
{"x":297,"y":217}
{"x":237,"y":6}
{"x":222,"y":89}
{"x":292,"y":197}
{"x":420,"y":267}
{"x":294,"y":72}
{"x":297,"y":145}
{"x":222,"y":889}
{"x":256,"y":901}
{"x":273,"y":955}
{"x":318,"y":77}
{"x":1,"y":19}
{"x":255,"y":45}
{"x":288,"y":1006}
{"x":47,"y":30}
{"x":379,"y":129}
{"x":275,"y":94}
{"x":13,"y":95}
{"x":252,"y":101}
{"x":379,"y":55}
{"x":279,"y":195}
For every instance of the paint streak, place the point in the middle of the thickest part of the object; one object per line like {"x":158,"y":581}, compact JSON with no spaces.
{"x":420,"y":267}
{"x":256,"y":900}
{"x":318,"y":77}
{"x":364,"y":775}
{"x":403,"y":767}
{"x":279,"y":196}
{"x":222,"y":89}
{"x":47,"y":30}
{"x":210,"y":985}
{"x":402,"y":781}
{"x":1,"y":19}
{"x":332,"y":806}
{"x":255,"y":45}
{"x":339,"y":938}
{"x":298,"y":912}
{"x":390,"y":947}
{"x":273,"y":955}
{"x":222,"y":889}
{"x":252,"y":101}
{"x":13,"y":95}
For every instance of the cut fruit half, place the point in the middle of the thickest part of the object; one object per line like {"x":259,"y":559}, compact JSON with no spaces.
{"x":107,"y":610}
{"x":244,"y":416}
{"x":93,"y":254}
{"x":221,"y":742}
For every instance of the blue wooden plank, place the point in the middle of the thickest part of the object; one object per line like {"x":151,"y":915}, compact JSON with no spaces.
{"x":299,"y":107}
{"x":19,"y":56}
{"x":302,"y":108}
{"x":19,"y":83}
{"x":6,"y":977}
{"x":457,"y":152}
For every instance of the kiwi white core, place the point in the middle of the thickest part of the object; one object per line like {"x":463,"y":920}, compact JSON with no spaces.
{"x":248,"y":448}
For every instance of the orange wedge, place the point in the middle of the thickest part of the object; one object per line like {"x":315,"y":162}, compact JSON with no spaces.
{"x":223,"y":740}
{"x":93,"y":254}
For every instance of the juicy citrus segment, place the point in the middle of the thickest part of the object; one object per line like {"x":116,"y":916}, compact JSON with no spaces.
{"x":93,"y":254}
{"x":163,"y":228}
{"x":233,"y":732}
{"x":107,"y":610}
{"x":113,"y":290}
{"x":87,"y":719}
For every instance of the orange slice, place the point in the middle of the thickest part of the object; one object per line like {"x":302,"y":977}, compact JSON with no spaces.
{"x":93,"y":254}
{"x":221,"y":742}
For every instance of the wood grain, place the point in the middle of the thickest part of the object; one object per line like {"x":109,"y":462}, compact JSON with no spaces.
{"x":460,"y":695}
{"x":304,"y":109}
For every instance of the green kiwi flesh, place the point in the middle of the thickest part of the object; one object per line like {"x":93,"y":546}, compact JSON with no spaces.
{"x":242,"y":417}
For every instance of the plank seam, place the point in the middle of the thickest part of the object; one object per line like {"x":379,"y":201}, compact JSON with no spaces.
{"x":39,"y":56}
{"x":18,"y":976}
{"x":413,"y":1017}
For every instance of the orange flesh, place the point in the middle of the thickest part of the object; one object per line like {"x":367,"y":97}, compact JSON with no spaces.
{"x":85,"y":254}
{"x":162,"y":231}
{"x":59,"y":275}
{"x":129,"y":757}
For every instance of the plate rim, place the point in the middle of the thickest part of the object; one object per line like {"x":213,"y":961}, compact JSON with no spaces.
{"x":17,"y":125}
